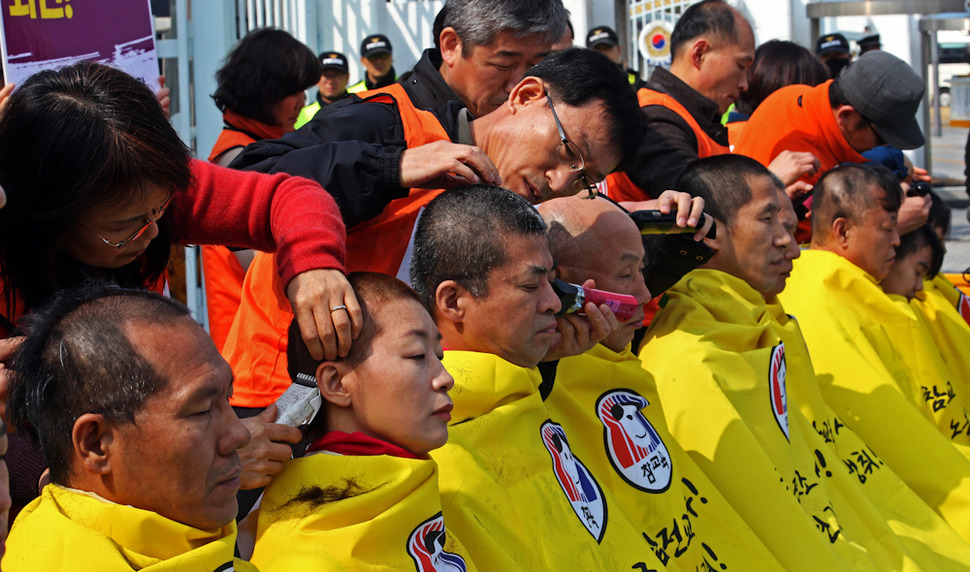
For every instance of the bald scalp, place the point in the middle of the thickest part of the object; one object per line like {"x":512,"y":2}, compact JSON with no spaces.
{"x":580,"y":229}
{"x":849,"y":192}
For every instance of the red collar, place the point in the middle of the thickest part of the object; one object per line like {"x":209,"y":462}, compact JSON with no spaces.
{"x":357,"y":444}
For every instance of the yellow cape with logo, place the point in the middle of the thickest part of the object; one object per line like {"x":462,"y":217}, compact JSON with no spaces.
{"x":931,"y":542}
{"x":335,"y":512}
{"x":845,"y":318}
{"x":938,"y":306}
{"x":653,"y":479}
{"x":65,"y":529}
{"x":864,"y":343}
{"x":721,"y":374}
{"x":510,"y":489}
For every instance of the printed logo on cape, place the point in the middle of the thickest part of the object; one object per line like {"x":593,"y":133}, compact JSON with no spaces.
{"x":632,"y":444}
{"x":582,"y":490}
{"x":963,"y":305}
{"x":777,"y":371}
{"x":426,"y":546}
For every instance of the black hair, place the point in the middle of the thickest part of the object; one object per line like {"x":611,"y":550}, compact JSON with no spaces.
{"x":74,"y":139}
{"x":836,"y":97}
{"x":913,"y":241}
{"x":577,"y":76}
{"x":439,"y":25}
{"x":460,"y":236}
{"x":373,"y":291}
{"x":940,"y":214}
{"x":265,"y":67}
{"x":723,"y":181}
{"x":706,"y":17}
{"x":77,"y":359}
{"x":849,"y":190}
{"x":779,"y":63}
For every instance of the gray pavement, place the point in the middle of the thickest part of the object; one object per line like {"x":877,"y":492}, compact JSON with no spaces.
{"x":957,"y":257}
{"x":948,"y":169}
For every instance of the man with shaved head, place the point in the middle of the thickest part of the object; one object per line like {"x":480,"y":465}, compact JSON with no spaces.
{"x":605,"y":392}
{"x":875,"y":369}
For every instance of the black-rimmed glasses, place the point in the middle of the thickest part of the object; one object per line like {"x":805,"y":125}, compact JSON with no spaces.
{"x":572,"y":158}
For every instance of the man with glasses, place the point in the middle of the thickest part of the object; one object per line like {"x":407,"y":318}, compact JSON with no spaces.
{"x":565,"y":126}
{"x":872,"y":103}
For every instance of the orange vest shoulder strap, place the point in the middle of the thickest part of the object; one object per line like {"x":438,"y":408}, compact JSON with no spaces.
{"x":229,"y":139}
{"x":420,"y":127}
{"x":706,"y":147}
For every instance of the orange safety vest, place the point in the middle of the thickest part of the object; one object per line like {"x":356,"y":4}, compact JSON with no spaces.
{"x":223,"y":283}
{"x":256,"y":345}
{"x":619,"y":187}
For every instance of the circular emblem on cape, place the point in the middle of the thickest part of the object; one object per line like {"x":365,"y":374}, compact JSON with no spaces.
{"x":777,"y":373}
{"x":582,"y":490}
{"x":632,"y":444}
{"x":426,"y":546}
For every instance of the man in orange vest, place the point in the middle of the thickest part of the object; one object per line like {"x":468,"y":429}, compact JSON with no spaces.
{"x":565,"y":126}
{"x":872,"y":103}
{"x":712,"y":46}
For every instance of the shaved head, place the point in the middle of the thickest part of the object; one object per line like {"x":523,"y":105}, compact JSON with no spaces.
{"x":581,"y":229}
{"x":595,"y":239}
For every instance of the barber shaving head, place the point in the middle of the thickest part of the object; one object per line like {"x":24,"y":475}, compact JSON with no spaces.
{"x":854,"y":216}
{"x":128,"y":397}
{"x":564,"y":127}
{"x":712,"y":46}
{"x":597,"y":240}
{"x":753,"y":242}
{"x":488,"y":45}
{"x":482,"y":265}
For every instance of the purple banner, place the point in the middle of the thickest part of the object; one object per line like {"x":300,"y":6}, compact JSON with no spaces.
{"x":45,"y":34}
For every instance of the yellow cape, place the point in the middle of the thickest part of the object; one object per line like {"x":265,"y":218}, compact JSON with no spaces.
{"x":510,"y":487}
{"x":854,"y":359}
{"x":926,"y":536}
{"x":944,"y":311}
{"x":599,"y":397}
{"x":863,"y":343}
{"x":64,"y":529}
{"x":721,"y":373}
{"x":335,"y":512}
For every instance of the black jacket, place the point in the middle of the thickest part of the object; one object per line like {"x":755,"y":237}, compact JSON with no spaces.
{"x":669,"y":144}
{"x":352,"y":148}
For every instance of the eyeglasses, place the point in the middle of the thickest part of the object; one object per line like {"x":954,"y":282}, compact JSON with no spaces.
{"x":571,"y":157}
{"x":155,"y":215}
{"x":879,"y":140}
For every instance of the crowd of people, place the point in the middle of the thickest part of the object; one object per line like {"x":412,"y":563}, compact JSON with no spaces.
{"x":518,"y":309}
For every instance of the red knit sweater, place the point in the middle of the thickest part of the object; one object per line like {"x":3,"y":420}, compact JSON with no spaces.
{"x":291,"y":216}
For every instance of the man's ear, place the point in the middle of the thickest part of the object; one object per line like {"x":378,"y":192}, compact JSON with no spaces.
{"x":698,"y":51}
{"x":330,"y":380}
{"x":843,"y":116}
{"x":529,"y":90}
{"x":451,"y":301}
{"x":450,"y":46}
{"x":715,"y":243}
{"x":840,"y":231}
{"x":94,"y":440}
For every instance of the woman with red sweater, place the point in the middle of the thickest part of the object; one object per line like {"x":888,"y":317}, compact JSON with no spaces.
{"x":100,"y":187}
